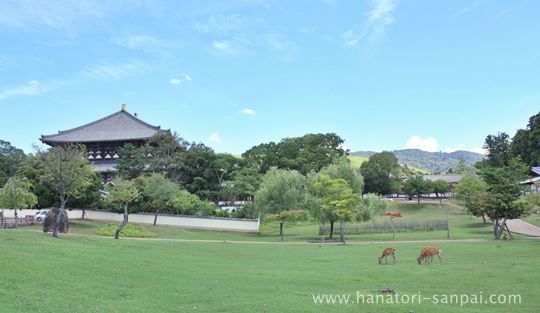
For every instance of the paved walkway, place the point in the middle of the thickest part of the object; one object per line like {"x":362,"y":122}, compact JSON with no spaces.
{"x":521,"y":227}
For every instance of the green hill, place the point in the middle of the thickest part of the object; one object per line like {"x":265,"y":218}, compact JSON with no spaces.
{"x":436,"y":162}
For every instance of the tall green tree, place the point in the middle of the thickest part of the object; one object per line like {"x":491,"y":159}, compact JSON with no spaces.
{"x":16,"y":195}
{"x":122,"y":193}
{"x":526,"y":142}
{"x":160,"y":192}
{"x":472,"y":191}
{"x":305,"y":154}
{"x":164,"y":153}
{"x":338,"y":202}
{"x":502,"y":200}
{"x":498,"y":150}
{"x":67,"y":172}
{"x":131,"y":162}
{"x":281,"y":190}
{"x":381,"y":173}
{"x":342,"y":168}
{"x":11,"y":159}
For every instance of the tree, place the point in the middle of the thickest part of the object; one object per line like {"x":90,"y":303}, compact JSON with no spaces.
{"x":381,"y":173}
{"x":33,"y":169}
{"x":283,"y":216}
{"x":502,"y":199}
{"x":90,"y":197}
{"x":67,"y":172}
{"x":281,"y":190}
{"x":131,"y":161}
{"x":370,"y":206}
{"x":440,"y":187}
{"x":11,"y":159}
{"x":416,"y":186}
{"x":337,"y":201}
{"x":472,"y":191}
{"x":160,"y":191}
{"x":16,"y":195}
{"x":526,"y":142}
{"x":164,"y":153}
{"x":123,"y":192}
{"x":305,"y":154}
{"x":498,"y":150}
{"x":342,"y":168}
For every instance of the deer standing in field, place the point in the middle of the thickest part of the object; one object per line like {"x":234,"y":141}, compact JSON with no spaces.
{"x":386,"y":253}
{"x":426,"y":256}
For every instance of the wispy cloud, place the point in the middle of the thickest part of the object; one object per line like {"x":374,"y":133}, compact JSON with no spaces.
{"x":62,"y":15}
{"x":249,"y":111}
{"x":188,"y":77}
{"x":114,"y":71}
{"x":470,"y":7}
{"x":510,"y":9}
{"x":219,"y":25}
{"x":378,"y":19}
{"x":31,"y":88}
{"x":175,"y":81}
{"x":214,"y":137}
{"x":231,"y":47}
{"x":138,"y":41}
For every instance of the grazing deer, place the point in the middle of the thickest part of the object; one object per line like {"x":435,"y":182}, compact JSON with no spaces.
{"x":386,"y":253}
{"x":426,"y":256}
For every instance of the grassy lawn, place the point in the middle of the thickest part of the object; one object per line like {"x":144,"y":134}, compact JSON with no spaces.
{"x":89,"y":274}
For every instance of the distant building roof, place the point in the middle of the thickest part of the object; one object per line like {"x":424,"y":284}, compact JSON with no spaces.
{"x":120,"y":126}
{"x":449,"y":178}
{"x":536,"y":170}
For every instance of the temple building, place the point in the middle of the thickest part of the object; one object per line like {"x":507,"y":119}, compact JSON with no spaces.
{"x":104,"y":137}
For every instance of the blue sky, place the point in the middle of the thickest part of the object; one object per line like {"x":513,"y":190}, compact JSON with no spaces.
{"x":437,"y":75}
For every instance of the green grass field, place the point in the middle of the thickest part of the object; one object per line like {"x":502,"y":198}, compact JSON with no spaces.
{"x":82,"y":272}
{"x":87,"y":274}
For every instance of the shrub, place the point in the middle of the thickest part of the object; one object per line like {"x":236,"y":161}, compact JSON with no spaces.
{"x":130,"y":230}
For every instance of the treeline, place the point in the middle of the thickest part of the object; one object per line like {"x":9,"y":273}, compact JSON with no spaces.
{"x":497,"y":193}
{"x":192,"y":175}
{"x":384,"y":176}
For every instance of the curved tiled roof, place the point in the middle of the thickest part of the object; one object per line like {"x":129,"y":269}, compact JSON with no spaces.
{"x":120,"y":126}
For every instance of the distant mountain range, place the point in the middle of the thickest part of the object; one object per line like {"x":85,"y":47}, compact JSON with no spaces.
{"x":436,"y":162}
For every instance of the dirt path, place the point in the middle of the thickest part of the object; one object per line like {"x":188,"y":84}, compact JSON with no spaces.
{"x":521,"y":227}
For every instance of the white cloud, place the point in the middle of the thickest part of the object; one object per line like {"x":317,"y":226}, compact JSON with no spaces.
{"x":114,"y":71}
{"x":31,"y":88}
{"x":221,"y":45}
{"x":510,"y":9}
{"x":188,"y":78}
{"x":219,"y":25}
{"x":378,"y":19}
{"x":470,"y":7}
{"x":214,"y":137}
{"x":138,"y":41}
{"x":427,"y":144}
{"x":351,"y":38}
{"x":249,"y":111}
{"x":175,"y":81}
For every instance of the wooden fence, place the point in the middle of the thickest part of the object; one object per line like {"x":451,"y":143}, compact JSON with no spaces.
{"x":387,"y":227}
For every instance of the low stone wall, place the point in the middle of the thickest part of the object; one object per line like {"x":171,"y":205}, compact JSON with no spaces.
{"x":192,"y":222}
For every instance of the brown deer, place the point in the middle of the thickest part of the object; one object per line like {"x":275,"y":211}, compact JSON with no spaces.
{"x":393,"y":214}
{"x":426,"y":256}
{"x":386,"y":253}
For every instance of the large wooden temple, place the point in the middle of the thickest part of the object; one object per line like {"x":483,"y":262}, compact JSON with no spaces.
{"x":104,"y":137}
